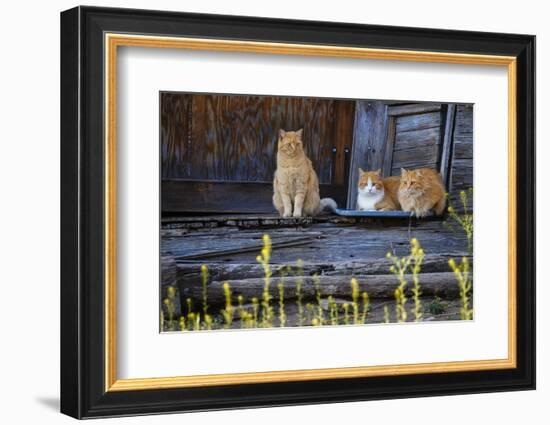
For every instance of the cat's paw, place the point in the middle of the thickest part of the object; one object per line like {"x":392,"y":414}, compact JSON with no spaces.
{"x":297,"y":214}
{"x":421,"y":213}
{"x":287,"y":214}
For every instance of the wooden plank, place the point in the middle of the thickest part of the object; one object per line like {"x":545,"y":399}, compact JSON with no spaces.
{"x":417,"y":157}
{"x":205,"y":196}
{"x":463,"y":150}
{"x":447,"y":144}
{"x":415,"y":108}
{"x":339,"y":242}
{"x":169,"y":278}
{"x":175,"y":132}
{"x":190,"y":272}
{"x":344,"y":117}
{"x":415,"y":138}
{"x":248,"y":247}
{"x":390,"y":142}
{"x":232,"y":137}
{"x":418,"y":122}
{"x":443,"y":285}
{"x":461,"y":169}
{"x":462,"y":174}
{"x":464,"y":119}
{"x":228,"y":197}
{"x":369,"y":137}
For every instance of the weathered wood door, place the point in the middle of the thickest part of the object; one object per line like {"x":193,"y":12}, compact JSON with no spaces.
{"x":218,"y":152}
{"x":391,"y":136}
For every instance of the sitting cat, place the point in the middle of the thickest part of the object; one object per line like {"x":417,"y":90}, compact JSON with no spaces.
{"x":420,"y":191}
{"x":296,"y":186}
{"x":377,"y":193}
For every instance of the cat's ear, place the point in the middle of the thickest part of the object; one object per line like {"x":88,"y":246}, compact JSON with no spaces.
{"x":299,"y":133}
{"x":403,"y":172}
{"x":418,"y":173}
{"x":377,"y":172}
{"x":282,"y":133}
{"x":361,"y":172}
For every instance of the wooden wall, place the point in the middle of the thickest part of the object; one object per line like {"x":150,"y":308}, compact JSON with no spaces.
{"x":391,"y":136}
{"x":234,"y":138}
{"x":417,"y":140}
{"x":218,"y":152}
{"x":461,"y":170}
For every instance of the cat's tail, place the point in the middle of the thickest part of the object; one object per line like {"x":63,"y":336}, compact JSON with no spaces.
{"x":327,"y":204}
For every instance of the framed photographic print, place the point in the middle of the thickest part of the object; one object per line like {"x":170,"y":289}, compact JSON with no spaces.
{"x":261,"y":212}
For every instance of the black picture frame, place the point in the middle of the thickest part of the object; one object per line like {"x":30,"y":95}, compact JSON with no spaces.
{"x":83,"y":392}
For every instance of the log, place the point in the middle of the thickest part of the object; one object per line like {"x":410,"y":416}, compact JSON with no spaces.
{"x":169,"y":278}
{"x":190,"y":272}
{"x":248,"y":248}
{"x":169,"y":270}
{"x":348,"y":242}
{"x":443,"y":285}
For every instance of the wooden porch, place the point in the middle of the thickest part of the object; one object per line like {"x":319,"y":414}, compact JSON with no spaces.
{"x":332,"y":248}
{"x":218,"y":157}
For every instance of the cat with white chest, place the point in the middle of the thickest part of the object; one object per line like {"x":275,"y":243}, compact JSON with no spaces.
{"x":377,"y":193}
{"x":296,"y":186}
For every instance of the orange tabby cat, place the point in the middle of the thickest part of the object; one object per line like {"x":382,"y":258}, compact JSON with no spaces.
{"x":377,"y":193}
{"x":296,"y":186}
{"x":420,"y":191}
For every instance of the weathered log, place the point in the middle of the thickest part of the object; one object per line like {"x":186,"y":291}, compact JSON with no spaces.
{"x":443,"y":285}
{"x":354,"y":242}
{"x":169,"y":278}
{"x":252,"y":247}
{"x":190,"y":272}
{"x":169,"y":270}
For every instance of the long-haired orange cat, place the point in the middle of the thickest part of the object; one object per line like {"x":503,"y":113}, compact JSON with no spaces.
{"x":296,"y":186}
{"x":421,"y":191}
{"x":377,"y":193}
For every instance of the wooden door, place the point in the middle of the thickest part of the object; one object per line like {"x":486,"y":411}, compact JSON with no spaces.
{"x":218,"y":152}
{"x":391,"y":136}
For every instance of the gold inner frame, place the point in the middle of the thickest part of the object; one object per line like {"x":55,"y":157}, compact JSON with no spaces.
{"x":113,"y":41}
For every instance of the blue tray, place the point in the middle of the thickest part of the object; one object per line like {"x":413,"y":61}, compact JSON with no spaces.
{"x":357,"y":213}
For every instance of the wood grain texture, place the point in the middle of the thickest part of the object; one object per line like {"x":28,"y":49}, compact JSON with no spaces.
{"x":390,"y":143}
{"x":461,"y":170}
{"x":447,"y":143}
{"x":231,"y":138}
{"x":343,"y":130}
{"x":418,"y":137}
{"x":378,"y":287}
{"x":234,"y":138}
{"x":228,"y":197}
{"x":368,"y":143}
{"x":333,"y":251}
{"x":418,"y":121}
{"x":190,"y":271}
{"x":326,"y":242}
{"x":463,"y":150}
{"x":414,"y":108}
{"x":414,"y":137}
{"x":175,"y":136}
{"x":416,"y":157}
